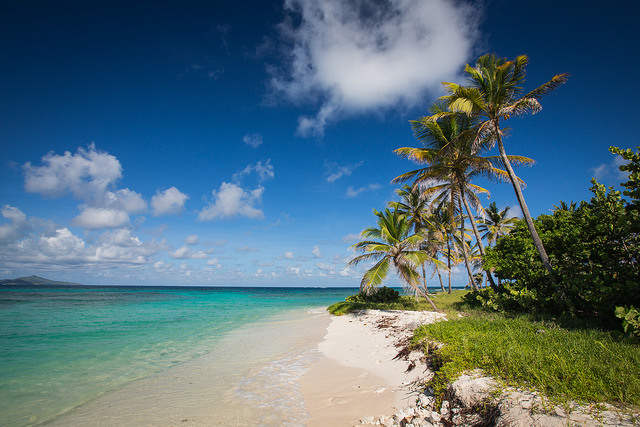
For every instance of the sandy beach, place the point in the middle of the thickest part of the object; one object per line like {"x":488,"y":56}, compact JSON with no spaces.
{"x":358,"y":374}
{"x":335,"y":370}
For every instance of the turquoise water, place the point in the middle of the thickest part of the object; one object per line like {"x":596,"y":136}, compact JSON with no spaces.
{"x":62,"y":347}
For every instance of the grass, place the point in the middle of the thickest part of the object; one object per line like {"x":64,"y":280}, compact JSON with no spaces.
{"x":584,"y":365}
{"x":444,"y":301}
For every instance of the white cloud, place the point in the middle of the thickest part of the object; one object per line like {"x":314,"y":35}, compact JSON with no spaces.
{"x":191,"y":240}
{"x":253,"y":140}
{"x":186,"y":253}
{"x":334,"y":171}
{"x":86,"y":174}
{"x":125,"y":200}
{"x":17,"y":227}
{"x":62,"y":243}
{"x":120,"y":246}
{"x":358,"y":56}
{"x":89,"y":175}
{"x":352,"y":192}
{"x":316,"y":252}
{"x":168,"y":202}
{"x":288,"y":255}
{"x":264,"y":171}
{"x":232,"y":200}
{"x":96,"y":218}
{"x":351,"y":238}
{"x":610,"y":173}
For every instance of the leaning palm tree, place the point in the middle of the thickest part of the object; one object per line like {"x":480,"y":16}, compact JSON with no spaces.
{"x":495,"y":94}
{"x":451,"y":155}
{"x":393,"y":246}
{"x":496,"y":223}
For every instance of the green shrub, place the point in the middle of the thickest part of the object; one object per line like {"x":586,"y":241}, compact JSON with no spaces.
{"x":383,"y":294}
{"x":594,"y":251}
{"x":630,"y":320}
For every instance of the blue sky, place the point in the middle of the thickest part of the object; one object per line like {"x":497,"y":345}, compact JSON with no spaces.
{"x":246,"y":143}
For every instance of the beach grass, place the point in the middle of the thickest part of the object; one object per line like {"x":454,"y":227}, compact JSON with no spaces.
{"x":449,"y":303}
{"x":583,"y":365}
{"x":577,"y":364}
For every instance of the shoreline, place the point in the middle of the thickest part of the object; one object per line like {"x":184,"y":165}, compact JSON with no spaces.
{"x":358,"y":374}
{"x":330,"y":370}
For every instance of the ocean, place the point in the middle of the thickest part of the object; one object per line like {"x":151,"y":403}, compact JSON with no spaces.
{"x":157,"y":355}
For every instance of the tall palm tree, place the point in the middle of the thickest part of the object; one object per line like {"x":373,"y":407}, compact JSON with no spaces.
{"x":394,"y":246}
{"x":494,"y":94}
{"x":451,"y":155}
{"x":496,"y":223}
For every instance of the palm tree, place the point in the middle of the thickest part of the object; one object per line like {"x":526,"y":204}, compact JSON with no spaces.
{"x":440,"y":229}
{"x":496,"y":223}
{"x":453,"y":161}
{"x":416,"y":209}
{"x":393,"y":246}
{"x":495,"y":94}
{"x":571,"y":207}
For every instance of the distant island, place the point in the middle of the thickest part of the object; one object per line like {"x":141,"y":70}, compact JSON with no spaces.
{"x":34,"y":280}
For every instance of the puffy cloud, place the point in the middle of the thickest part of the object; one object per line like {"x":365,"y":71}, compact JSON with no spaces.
{"x":17,"y":227}
{"x":120,"y":246}
{"x":334,"y":171}
{"x":97,"y":218}
{"x":288,"y":255}
{"x":168,"y":202}
{"x":62,"y":244}
{"x":232,"y":200}
{"x":361,"y":55}
{"x":125,"y":200}
{"x":352,"y":192}
{"x":253,"y":140}
{"x":186,"y":253}
{"x":86,"y":174}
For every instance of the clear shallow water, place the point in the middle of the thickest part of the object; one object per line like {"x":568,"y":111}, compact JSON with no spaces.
{"x":63,"y":347}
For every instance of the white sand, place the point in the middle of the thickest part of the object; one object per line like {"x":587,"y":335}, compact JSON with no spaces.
{"x":357,"y":376}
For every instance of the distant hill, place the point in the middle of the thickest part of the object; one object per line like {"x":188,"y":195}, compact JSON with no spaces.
{"x":34,"y":280}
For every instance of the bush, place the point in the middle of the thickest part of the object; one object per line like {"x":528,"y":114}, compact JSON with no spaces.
{"x":383,"y":295}
{"x":594,"y":250}
{"x":630,"y":320}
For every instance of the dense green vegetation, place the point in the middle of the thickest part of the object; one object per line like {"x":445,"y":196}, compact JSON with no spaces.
{"x":566,"y":365}
{"x":594,"y":248}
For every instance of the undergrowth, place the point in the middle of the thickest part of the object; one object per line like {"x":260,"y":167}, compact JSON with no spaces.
{"x":581,"y":365}
{"x":449,"y":303}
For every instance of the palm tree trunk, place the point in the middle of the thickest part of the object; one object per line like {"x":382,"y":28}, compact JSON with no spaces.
{"x":424,"y":279}
{"x":525,"y":210}
{"x":464,"y":250}
{"x":439,"y":278}
{"x":449,"y":261}
{"x":476,"y":233}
